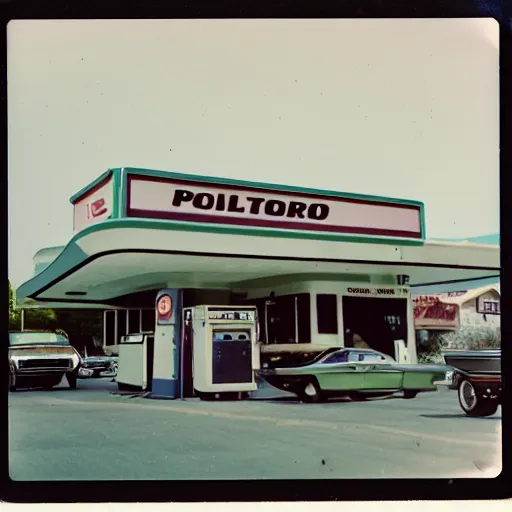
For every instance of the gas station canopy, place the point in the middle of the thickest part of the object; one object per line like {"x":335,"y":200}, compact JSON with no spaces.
{"x":139,"y":230}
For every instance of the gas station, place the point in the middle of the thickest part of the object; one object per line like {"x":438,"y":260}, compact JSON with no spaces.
{"x":202,"y":280}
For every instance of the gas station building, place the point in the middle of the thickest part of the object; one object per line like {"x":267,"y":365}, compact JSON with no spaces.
{"x":314,"y":266}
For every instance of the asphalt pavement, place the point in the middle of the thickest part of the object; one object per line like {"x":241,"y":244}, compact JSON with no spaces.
{"x":90,"y":434}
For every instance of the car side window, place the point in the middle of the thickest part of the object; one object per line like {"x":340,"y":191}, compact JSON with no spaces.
{"x":337,"y":357}
{"x":354,"y":357}
{"x":370,"y":357}
{"x":363,"y":356}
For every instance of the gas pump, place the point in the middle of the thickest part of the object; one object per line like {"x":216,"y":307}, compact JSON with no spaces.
{"x":167,"y":344}
{"x":135,"y":362}
{"x":219,"y":351}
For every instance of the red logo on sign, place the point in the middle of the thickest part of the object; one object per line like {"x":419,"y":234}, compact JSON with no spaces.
{"x":164,"y":307}
{"x":98,"y":207}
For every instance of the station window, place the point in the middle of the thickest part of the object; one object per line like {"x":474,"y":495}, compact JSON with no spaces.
{"x":133,"y":321}
{"x":148,"y":319}
{"x":304,"y":317}
{"x":490,"y":306}
{"x":110,"y":328}
{"x":327,"y":313}
{"x":284,"y":319}
{"x":121,"y":323}
{"x":288,"y":319}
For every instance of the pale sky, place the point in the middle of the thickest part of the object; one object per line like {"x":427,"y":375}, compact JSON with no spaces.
{"x":399,"y":108}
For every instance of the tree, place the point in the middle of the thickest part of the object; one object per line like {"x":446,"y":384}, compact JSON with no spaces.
{"x":14,"y":314}
{"x":82,"y":326}
{"x":12,"y":304}
{"x":44,"y":319}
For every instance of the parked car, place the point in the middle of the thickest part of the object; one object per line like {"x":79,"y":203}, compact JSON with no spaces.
{"x":98,"y":366}
{"x":356,"y":373}
{"x":41,"y":359}
{"x":477,"y":379}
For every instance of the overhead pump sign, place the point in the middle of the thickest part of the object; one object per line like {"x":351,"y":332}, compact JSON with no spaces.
{"x":194,"y":201}
{"x":231,"y":315}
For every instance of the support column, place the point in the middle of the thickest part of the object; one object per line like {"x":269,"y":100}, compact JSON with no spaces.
{"x":412,"y":356}
{"x":22,"y":320}
{"x":105,"y":328}
{"x":166,"y":360}
{"x":296,"y":314}
{"x":116,"y":330}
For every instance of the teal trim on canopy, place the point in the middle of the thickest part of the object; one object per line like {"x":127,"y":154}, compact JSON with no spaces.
{"x":73,"y":256}
{"x":491,"y":239}
{"x":116,"y":177}
{"x":75,"y":197}
{"x":456,"y":287}
{"x":69,"y":258}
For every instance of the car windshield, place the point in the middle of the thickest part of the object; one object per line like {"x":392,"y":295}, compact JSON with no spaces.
{"x":36,"y":338}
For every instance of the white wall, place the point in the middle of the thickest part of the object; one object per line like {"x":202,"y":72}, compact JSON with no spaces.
{"x":341,"y":289}
{"x":470,"y":317}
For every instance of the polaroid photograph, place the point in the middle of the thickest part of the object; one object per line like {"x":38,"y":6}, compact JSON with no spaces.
{"x":251,"y":258}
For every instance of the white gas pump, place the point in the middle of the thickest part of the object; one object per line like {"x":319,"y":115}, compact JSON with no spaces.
{"x":135,"y":362}
{"x":220,"y":352}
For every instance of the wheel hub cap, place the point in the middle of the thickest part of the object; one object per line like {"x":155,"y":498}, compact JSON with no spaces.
{"x":467,"y":395}
{"x":310,"y":390}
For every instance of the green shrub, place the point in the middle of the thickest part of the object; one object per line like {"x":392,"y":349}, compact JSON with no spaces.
{"x":464,"y":338}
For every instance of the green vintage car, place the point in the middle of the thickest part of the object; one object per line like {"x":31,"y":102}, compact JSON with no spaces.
{"x":357,"y":374}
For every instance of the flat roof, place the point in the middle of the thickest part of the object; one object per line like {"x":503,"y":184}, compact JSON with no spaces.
{"x":139,"y":229}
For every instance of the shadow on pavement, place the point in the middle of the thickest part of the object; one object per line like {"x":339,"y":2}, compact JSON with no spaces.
{"x":459,"y":415}
{"x":332,"y":401}
{"x":47,"y":390}
{"x":101,"y":384}
{"x":275,"y":399}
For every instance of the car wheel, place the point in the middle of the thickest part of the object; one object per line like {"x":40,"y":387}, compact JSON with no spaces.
{"x":408,"y":394}
{"x":474,"y":404}
{"x":311,"y":392}
{"x":72,"y":378}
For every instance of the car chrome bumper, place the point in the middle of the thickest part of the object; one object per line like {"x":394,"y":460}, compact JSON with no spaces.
{"x":85,"y":372}
{"x":445,"y":382}
{"x":41,"y":371}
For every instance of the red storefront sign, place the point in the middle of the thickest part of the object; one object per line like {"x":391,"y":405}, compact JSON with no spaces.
{"x":431,"y":313}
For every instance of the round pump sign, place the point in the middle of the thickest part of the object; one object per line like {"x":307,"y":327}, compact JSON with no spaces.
{"x":164,"y":307}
